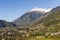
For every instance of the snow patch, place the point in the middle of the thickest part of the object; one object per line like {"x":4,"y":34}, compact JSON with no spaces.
{"x":41,"y":9}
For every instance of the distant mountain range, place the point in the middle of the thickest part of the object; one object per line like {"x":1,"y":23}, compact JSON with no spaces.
{"x":4,"y":24}
{"x":31,"y":16}
{"x":35,"y":17}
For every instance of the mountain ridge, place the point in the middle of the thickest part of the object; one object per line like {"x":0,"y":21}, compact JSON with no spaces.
{"x":4,"y":24}
{"x":30,"y":16}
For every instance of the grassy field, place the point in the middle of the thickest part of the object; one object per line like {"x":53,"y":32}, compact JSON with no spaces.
{"x":41,"y":38}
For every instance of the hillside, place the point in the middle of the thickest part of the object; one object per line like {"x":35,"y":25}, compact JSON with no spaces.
{"x":51,"y":21}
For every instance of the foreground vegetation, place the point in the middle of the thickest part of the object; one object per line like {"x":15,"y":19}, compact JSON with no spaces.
{"x":42,"y":38}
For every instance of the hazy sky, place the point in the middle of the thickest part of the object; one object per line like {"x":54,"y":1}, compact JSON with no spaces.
{"x":12,"y":9}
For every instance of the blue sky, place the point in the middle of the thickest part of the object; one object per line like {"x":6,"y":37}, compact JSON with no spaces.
{"x":12,"y":9}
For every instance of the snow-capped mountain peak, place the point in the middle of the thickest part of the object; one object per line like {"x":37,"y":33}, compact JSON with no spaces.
{"x":40,"y":9}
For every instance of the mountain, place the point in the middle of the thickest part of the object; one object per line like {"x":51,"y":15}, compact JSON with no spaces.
{"x":51,"y":21}
{"x":29,"y":17}
{"x":4,"y":24}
